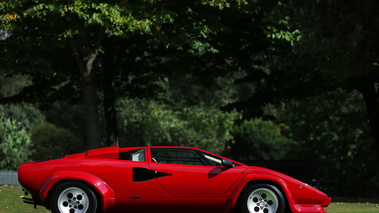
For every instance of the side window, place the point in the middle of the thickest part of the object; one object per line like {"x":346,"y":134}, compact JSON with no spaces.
{"x":135,"y":155}
{"x":177,"y":156}
{"x":213,"y":160}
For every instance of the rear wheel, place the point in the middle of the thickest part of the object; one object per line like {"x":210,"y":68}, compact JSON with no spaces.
{"x":73,"y":197}
{"x":262,"y":198}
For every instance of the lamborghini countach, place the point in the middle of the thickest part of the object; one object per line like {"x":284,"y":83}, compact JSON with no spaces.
{"x":162,"y":179}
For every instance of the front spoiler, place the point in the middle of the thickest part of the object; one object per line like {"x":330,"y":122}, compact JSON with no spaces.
{"x":318,"y":208}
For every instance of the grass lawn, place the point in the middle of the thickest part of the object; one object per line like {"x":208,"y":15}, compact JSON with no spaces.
{"x":341,"y":207}
{"x":10,"y":201}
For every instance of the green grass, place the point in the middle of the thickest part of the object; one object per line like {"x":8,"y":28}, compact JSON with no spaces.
{"x":342,"y":207}
{"x":10,"y":202}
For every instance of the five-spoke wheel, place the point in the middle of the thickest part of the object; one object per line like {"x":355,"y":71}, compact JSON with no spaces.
{"x":262,"y":198}
{"x":73,"y":197}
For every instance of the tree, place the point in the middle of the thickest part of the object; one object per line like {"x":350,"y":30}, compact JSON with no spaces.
{"x":331,"y":131}
{"x":185,"y":114}
{"x":46,"y":39}
{"x":317,"y":47}
{"x":272,"y":79}
{"x":339,"y":42}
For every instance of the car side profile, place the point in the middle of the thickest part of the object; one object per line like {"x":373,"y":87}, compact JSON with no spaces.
{"x":162,"y":179}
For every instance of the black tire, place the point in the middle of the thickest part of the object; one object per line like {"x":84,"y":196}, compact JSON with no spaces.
{"x":262,"y":198}
{"x":73,"y":197}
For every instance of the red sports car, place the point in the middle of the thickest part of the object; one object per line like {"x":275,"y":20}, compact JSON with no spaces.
{"x":162,"y":179}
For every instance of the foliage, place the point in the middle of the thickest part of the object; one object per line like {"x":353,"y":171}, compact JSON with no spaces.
{"x":15,"y":121}
{"x":272,"y":79}
{"x":338,"y":36}
{"x":13,"y":85}
{"x":56,"y":41}
{"x":338,"y":43}
{"x":147,"y":122}
{"x":15,"y":143}
{"x":26,"y":114}
{"x":183,"y":89}
{"x":331,"y":131}
{"x":292,"y":53}
{"x":256,"y":139}
{"x":67,"y":116}
{"x":51,"y":141}
{"x":317,"y":48}
{"x":187,"y":113}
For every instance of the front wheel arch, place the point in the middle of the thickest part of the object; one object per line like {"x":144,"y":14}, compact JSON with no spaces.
{"x":256,"y":182}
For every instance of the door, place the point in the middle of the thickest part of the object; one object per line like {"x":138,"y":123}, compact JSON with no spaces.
{"x":190,"y":173}
{"x":134,"y":183}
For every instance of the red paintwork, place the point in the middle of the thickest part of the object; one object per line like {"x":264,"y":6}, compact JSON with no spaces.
{"x":189,"y":188}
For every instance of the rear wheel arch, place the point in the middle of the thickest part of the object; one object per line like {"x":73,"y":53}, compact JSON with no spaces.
{"x":97,"y":194}
{"x":101,"y":188}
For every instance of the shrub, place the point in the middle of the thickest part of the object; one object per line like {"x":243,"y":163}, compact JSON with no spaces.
{"x":15,"y":144}
{"x":50,"y":141}
{"x":146,"y":122}
{"x":258,"y":140}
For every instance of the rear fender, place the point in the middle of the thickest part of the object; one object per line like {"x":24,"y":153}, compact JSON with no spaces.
{"x":106,"y":193}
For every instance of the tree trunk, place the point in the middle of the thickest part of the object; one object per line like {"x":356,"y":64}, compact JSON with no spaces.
{"x":85,"y":62}
{"x":91,"y":111}
{"x":89,"y":93}
{"x":371,"y":96}
{"x":109,"y":101}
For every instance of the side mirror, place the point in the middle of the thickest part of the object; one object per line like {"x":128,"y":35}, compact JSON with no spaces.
{"x":227,"y":164}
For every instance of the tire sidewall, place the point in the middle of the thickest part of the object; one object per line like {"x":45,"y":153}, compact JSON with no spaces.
{"x":246,"y":193}
{"x":62,"y":186}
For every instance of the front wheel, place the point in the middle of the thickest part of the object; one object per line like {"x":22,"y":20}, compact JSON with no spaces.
{"x":262,"y":198}
{"x":73,"y":197}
